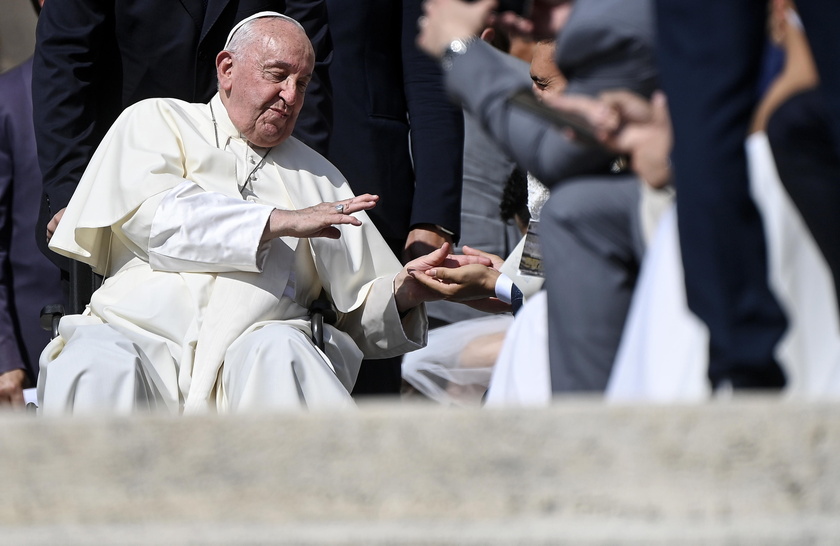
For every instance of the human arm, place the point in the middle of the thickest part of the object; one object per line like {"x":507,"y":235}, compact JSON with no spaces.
{"x":478,"y":286}
{"x":424,"y":238}
{"x":150,"y":150}
{"x":390,"y":319}
{"x":75,"y":94}
{"x":646,"y":135}
{"x":437,"y":146}
{"x":484,"y":84}
{"x":463,"y":284}
{"x":192,"y":230}
{"x":480,"y":81}
{"x":799,"y":71}
{"x":629,"y":124}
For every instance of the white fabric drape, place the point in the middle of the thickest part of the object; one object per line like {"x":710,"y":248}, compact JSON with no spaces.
{"x":664,"y":351}
{"x":521,"y":376}
{"x":184,"y":317}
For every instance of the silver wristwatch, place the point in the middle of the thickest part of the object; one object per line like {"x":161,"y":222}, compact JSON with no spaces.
{"x":456,"y":48}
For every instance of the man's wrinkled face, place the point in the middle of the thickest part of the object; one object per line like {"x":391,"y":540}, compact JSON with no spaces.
{"x":263,"y":84}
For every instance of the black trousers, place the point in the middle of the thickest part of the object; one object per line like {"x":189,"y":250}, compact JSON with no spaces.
{"x":800,"y":133}
{"x":709,"y":55}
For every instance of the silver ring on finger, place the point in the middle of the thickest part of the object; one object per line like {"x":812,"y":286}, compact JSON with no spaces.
{"x":340,"y":209}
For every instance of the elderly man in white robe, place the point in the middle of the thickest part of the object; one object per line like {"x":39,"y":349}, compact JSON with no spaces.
{"x":215,"y":230}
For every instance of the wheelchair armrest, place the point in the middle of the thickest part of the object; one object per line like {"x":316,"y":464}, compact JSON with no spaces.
{"x":50,"y":316}
{"x":321,"y":311}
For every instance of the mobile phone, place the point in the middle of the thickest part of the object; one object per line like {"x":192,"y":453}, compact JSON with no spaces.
{"x":526,"y":99}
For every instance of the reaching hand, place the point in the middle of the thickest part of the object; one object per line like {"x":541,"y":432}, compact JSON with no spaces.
{"x":448,"y":20}
{"x":627,"y":123}
{"x":408,"y":291}
{"x":645,"y":135}
{"x":602,"y":118}
{"x":410,"y":288}
{"x":491,"y":259}
{"x":468,"y":282}
{"x":469,"y":278}
{"x":319,"y":220}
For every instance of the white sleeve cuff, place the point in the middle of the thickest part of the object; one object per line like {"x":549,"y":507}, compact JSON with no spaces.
{"x":504,"y":287}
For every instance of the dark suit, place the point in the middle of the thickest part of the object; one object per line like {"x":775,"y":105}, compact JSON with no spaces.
{"x":710,"y":55}
{"x":28,"y":281}
{"x":385,"y":89}
{"x":380,"y":80}
{"x":94,"y":58}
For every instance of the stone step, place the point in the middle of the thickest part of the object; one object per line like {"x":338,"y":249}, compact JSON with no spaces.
{"x":745,"y":471}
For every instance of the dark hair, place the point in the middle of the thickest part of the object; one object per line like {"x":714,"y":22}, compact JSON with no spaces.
{"x":515,"y":198}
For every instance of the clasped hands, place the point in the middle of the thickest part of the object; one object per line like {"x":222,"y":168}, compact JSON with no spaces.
{"x":468,"y":278}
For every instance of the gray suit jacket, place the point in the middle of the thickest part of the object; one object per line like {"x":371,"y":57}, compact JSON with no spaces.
{"x":606,"y":44}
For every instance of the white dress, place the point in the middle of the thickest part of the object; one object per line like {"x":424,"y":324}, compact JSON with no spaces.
{"x":664,"y":351}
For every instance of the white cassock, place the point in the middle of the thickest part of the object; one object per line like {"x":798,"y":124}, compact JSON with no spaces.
{"x":195,"y":313}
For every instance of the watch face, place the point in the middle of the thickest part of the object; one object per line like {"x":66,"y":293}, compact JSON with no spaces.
{"x":458,"y":46}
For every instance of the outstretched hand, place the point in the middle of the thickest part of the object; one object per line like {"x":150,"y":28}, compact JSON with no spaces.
{"x":479,"y":256}
{"x":410,"y":292}
{"x":463,"y":277}
{"x":319,"y":220}
{"x":469,"y":278}
{"x":468,"y":282}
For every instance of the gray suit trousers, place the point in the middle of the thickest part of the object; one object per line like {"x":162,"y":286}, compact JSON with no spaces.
{"x":592,"y":245}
